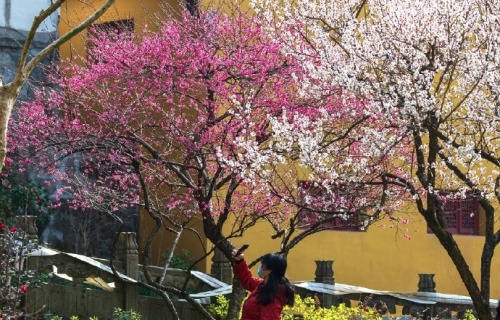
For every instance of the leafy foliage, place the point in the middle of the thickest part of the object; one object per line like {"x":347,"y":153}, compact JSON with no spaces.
{"x":15,"y":281}
{"x":181,"y":260}
{"x":307,"y":309}
{"x":220,"y":307}
{"x":50,"y":316}
{"x":118,"y":314}
{"x":469,"y":315}
{"x":21,"y":195}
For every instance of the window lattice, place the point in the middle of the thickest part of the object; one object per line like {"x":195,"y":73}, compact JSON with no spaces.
{"x":462,"y":215}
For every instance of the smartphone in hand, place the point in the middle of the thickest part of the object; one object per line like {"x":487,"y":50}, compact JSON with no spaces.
{"x":240,"y":250}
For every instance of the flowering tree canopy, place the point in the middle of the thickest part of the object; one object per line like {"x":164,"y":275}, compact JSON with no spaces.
{"x":430,"y":69}
{"x":209,"y":118}
{"x":197,"y":115}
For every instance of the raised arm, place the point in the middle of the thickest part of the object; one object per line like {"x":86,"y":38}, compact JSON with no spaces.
{"x":244,"y":275}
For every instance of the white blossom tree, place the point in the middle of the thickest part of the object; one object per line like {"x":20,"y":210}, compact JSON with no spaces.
{"x":431,"y":70}
{"x":10,"y":91}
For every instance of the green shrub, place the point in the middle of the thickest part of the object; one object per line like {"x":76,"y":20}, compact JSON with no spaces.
{"x":120,"y":314}
{"x":180,"y":260}
{"x":469,"y":315}
{"x":50,"y":316}
{"x":220,"y":307}
{"x":306,"y":309}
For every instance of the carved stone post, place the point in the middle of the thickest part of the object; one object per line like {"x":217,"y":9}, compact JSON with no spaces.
{"x":28,"y":225}
{"x":324,"y":274}
{"x":127,"y":252}
{"x":221,"y":267}
{"x":426,"y":282}
{"x":324,"y":271}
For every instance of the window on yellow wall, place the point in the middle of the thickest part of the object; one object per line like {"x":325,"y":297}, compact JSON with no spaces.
{"x":110,"y":29}
{"x":461,"y":214}
{"x":341,"y":224}
{"x":312,"y":196}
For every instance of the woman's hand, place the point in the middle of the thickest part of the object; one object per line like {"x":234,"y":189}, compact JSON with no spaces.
{"x":239,"y":257}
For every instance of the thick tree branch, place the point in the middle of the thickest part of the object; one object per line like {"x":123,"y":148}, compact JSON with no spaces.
{"x":64,"y":38}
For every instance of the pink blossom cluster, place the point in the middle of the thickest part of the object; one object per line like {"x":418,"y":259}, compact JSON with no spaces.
{"x":208,"y":116}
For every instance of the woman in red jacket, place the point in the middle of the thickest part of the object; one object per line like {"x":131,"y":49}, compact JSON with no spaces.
{"x":269,"y":293}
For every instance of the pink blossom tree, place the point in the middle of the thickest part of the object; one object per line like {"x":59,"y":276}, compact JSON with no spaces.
{"x":430,"y":69}
{"x":208,"y":119}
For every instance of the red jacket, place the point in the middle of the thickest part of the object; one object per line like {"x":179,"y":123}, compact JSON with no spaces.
{"x":252,"y":309}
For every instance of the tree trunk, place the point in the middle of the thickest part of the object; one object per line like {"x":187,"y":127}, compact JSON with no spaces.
{"x":486,"y":259}
{"x":7,"y":100}
{"x":481,"y":304}
{"x":488,"y":249}
{"x":237,"y":297}
{"x":214,"y":234}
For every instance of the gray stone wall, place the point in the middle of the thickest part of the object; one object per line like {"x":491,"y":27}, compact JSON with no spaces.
{"x":11,"y":42}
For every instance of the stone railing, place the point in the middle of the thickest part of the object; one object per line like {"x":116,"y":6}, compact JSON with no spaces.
{"x":78,"y":299}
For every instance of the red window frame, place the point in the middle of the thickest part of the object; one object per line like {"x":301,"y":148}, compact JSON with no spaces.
{"x":461,"y":214}
{"x":308,"y":217}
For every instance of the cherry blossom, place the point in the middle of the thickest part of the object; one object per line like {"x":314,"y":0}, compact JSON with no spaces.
{"x":212,"y":119}
{"x":429,"y":70}
{"x":212,"y":110}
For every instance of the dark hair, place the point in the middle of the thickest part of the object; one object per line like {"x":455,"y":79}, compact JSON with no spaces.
{"x":276,"y":263}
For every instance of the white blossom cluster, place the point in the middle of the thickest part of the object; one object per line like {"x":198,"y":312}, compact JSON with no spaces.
{"x":430,"y":68}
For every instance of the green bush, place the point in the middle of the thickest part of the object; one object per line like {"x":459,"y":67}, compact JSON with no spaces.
{"x":180,"y":260}
{"x":50,"y":316}
{"x":306,"y":309}
{"x":469,"y":315}
{"x":20,"y":195}
{"x":120,"y":314}
{"x":220,"y":307}
{"x":15,"y":280}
